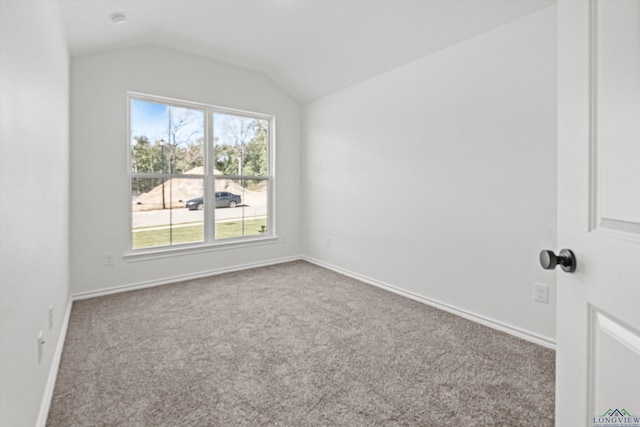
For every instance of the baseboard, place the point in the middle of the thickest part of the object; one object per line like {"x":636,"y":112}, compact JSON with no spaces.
{"x":181,"y":278}
{"x":55,"y":363}
{"x":483,"y":320}
{"x":53,"y":369}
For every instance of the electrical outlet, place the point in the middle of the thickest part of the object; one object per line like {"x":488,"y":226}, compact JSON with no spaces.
{"x":541,"y":293}
{"x":283,"y":238}
{"x":108,"y":258}
{"x":328,"y":240}
{"x":51,"y":317}
{"x":40,"y":346}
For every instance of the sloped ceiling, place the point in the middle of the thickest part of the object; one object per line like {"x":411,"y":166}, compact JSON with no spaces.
{"x":310,"y":48}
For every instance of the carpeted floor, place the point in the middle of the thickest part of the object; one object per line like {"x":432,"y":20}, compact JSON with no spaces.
{"x":291,"y":345}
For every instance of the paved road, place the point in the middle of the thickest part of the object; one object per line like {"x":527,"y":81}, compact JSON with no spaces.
{"x":183,"y":215}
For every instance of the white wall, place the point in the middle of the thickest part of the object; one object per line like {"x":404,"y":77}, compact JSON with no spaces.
{"x":99,"y":196}
{"x":439,"y":177}
{"x":34,"y":200}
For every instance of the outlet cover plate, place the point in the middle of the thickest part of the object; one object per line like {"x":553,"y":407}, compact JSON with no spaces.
{"x":541,"y":293}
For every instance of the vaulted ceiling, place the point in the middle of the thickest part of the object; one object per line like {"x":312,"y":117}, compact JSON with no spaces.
{"x":310,"y":48}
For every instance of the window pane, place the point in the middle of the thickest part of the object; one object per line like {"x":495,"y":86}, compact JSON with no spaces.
{"x":241,"y":207}
{"x":255,"y":207}
{"x":159,"y":216}
{"x":166,"y":139}
{"x":240,"y":145}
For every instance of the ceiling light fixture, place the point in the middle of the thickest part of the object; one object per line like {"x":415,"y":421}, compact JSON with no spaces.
{"x":118,"y":18}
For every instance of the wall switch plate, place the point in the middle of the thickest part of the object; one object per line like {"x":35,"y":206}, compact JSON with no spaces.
{"x":541,"y":293}
{"x":328,"y":240}
{"x":283,"y":238}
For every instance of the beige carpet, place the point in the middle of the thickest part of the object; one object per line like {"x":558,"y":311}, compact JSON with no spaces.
{"x":291,"y":345}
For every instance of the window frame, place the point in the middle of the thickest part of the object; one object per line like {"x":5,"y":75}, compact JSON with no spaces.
{"x":209,"y":243}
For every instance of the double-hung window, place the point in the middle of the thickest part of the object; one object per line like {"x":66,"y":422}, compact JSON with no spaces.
{"x":198,"y":174}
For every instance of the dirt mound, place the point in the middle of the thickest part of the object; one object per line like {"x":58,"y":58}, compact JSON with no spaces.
{"x":179,"y":190}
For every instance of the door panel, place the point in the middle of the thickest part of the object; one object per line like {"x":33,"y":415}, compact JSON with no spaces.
{"x":615,"y":349}
{"x":616,"y":68}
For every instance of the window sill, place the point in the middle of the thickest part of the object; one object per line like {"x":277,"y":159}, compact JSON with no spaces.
{"x":188,"y":249}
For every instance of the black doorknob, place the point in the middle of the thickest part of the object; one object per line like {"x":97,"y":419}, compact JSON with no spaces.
{"x":566,"y":260}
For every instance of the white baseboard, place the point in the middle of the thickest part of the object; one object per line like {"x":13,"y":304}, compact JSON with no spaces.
{"x":483,"y":320}
{"x":53,"y":369}
{"x":181,"y":278}
{"x":55,"y":363}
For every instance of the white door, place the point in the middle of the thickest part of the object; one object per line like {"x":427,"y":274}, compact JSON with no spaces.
{"x":598,"y":329}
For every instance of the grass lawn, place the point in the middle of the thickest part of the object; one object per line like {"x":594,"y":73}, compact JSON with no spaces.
{"x":195,"y":233}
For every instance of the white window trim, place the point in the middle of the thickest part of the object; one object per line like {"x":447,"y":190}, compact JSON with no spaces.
{"x":209,"y":244}
{"x":195,"y":248}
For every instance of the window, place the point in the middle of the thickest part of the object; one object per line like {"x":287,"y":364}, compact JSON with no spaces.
{"x":198,"y":174}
